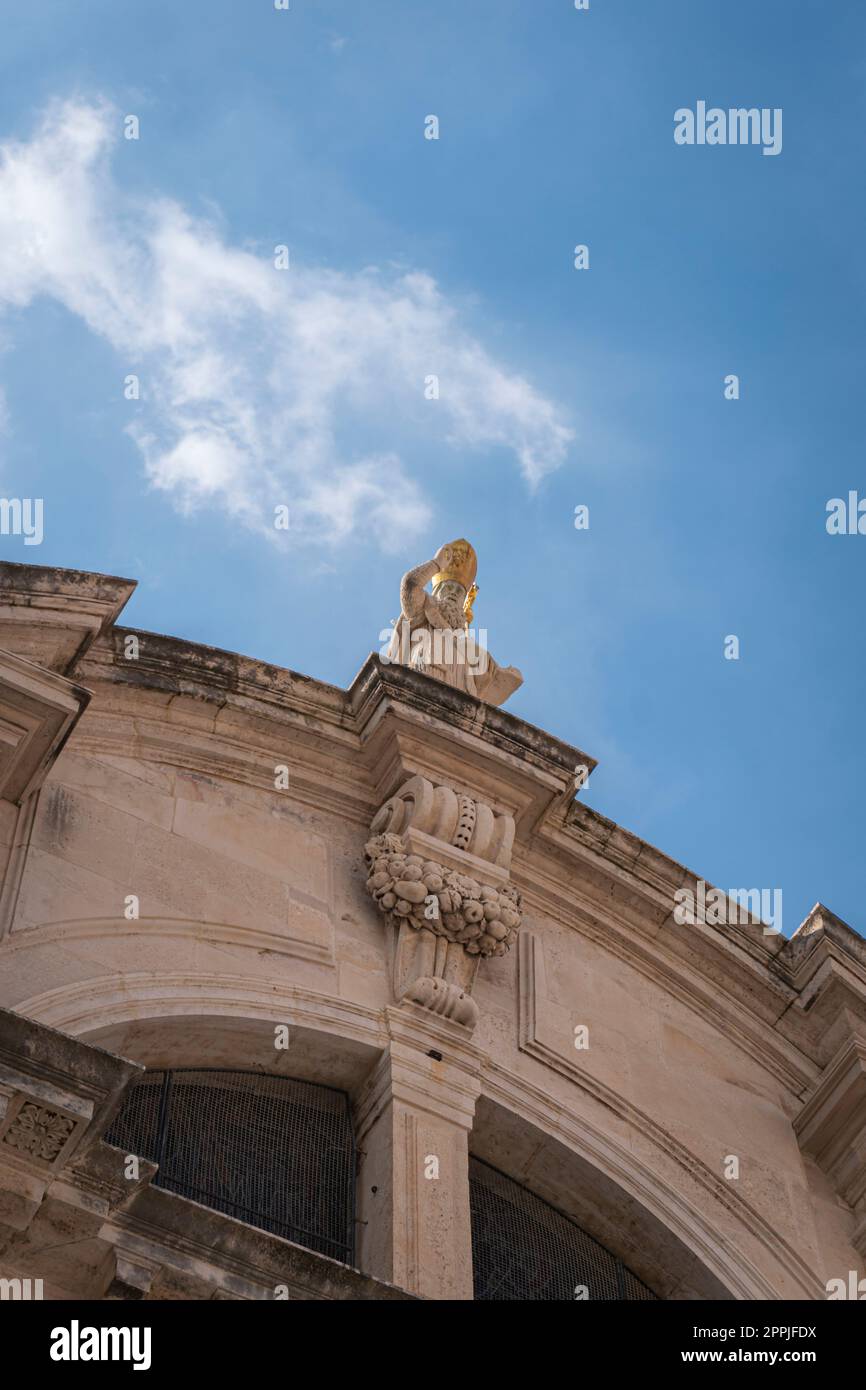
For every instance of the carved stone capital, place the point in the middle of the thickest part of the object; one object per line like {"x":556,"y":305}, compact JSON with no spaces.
{"x":431,"y":812}
{"x":439,"y":864}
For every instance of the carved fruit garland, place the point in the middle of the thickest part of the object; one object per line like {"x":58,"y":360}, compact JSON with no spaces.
{"x":483,"y":919}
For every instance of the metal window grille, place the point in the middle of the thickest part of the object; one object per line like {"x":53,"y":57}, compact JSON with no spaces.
{"x":271,"y":1151}
{"x":524,"y":1249}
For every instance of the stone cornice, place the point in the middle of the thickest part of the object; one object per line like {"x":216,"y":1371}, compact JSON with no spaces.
{"x":48,"y":1063}
{"x":823,"y":936}
{"x":221,"y":714}
{"x":56,"y":1100}
{"x":831,"y":1127}
{"x":176,"y":1236}
{"x":52,"y":616}
{"x":38,"y":710}
{"x":209,"y":674}
{"x":403,"y":715}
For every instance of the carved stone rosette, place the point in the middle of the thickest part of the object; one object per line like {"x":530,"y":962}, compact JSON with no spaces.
{"x":439,"y":865}
{"x":39,"y":1131}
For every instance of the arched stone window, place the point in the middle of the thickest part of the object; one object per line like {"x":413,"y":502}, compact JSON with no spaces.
{"x":524,"y":1249}
{"x":268,"y":1150}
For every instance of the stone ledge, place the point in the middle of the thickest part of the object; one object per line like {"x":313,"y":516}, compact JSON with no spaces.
{"x":51,"y":616}
{"x":175,"y":1233}
{"x":43,"y":1058}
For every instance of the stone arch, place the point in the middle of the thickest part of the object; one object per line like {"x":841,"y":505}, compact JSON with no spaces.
{"x":185,"y":1020}
{"x":171,"y":1041}
{"x":676,"y":1248}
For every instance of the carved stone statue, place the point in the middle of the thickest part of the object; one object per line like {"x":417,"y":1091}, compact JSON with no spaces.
{"x":433,"y":634}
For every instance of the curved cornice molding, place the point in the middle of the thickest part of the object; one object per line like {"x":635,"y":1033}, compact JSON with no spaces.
{"x":90,"y":1006}
{"x":52,"y":616}
{"x":167,"y":928}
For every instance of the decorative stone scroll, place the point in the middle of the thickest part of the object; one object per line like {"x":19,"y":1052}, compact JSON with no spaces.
{"x":439,"y":865}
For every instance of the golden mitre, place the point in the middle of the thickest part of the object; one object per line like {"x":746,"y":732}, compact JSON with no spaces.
{"x":462,"y":569}
{"x":463,"y":565}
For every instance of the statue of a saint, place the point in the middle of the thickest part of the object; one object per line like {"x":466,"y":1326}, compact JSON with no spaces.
{"x":433,"y":635}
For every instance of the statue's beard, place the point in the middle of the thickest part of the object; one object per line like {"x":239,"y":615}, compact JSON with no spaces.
{"x":452,"y":612}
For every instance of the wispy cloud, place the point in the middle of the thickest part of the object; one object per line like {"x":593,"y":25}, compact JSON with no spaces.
{"x":253,"y":378}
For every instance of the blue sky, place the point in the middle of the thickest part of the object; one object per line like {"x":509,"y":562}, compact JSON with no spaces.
{"x":557,"y":387}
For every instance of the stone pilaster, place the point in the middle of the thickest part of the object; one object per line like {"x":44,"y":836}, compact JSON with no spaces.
{"x":413,"y":1120}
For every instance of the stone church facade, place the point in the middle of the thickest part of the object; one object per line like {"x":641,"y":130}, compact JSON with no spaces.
{"x":321,"y":993}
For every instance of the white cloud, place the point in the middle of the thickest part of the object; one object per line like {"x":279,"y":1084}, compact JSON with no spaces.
{"x":253,"y":378}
